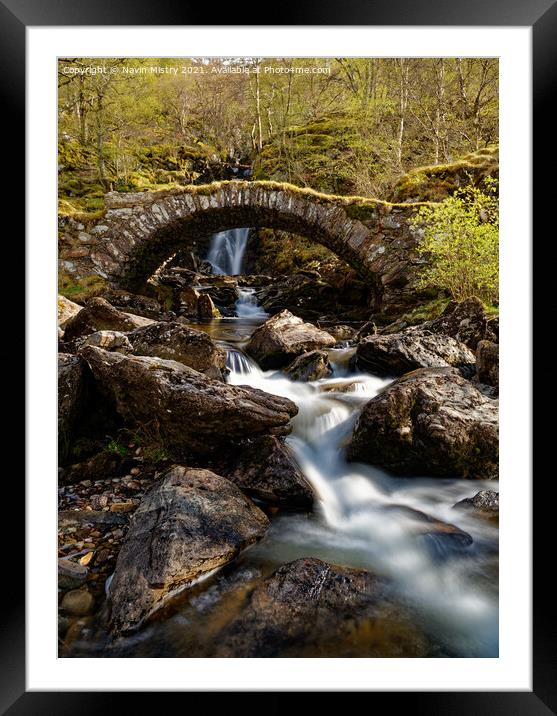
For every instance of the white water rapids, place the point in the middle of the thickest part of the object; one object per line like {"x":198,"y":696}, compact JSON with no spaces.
{"x":449,"y":586}
{"x":359,"y":519}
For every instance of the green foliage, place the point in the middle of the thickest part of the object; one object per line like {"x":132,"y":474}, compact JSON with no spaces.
{"x":285,"y":253}
{"x":118,"y":448}
{"x":352,"y":129}
{"x":461,"y":244}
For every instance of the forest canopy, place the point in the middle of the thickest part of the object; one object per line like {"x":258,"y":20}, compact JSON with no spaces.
{"x":351,"y":126}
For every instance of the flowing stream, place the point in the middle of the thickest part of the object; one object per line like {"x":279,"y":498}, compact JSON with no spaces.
{"x":363,"y":517}
{"x":360,"y":518}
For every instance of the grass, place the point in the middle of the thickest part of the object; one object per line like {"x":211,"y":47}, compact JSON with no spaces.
{"x":80,"y":290}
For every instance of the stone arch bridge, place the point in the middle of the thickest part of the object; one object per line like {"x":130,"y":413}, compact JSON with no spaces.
{"x":139,"y":231}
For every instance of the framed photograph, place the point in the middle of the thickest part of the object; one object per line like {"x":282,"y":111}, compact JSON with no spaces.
{"x":265,"y":270}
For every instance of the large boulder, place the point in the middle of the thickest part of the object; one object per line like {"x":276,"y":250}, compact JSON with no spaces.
{"x":99,"y":315}
{"x":464,"y":320}
{"x":71,"y":392}
{"x":66,"y":310}
{"x":310,"y":366}
{"x":487,"y":363}
{"x":429,"y":422}
{"x":191,"y":413}
{"x":267,"y":471}
{"x":316,"y":608}
{"x":189,"y":524}
{"x":175,"y":341}
{"x":400,"y":353}
{"x":284,"y":337}
{"x":133,"y":303}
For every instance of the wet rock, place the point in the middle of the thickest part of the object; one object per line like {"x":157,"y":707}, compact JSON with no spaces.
{"x":340,"y":387}
{"x":206,"y":309}
{"x":429,"y":422}
{"x":189,"y":524}
{"x":284,"y":337}
{"x":71,"y":394}
{"x":188,"y":298}
{"x":400,"y":353}
{"x":193,"y":413}
{"x":110,"y":341}
{"x":134,"y":303}
{"x":310,"y":366}
{"x":66,"y":310}
{"x":99,"y":315}
{"x":423,"y":525}
{"x":465,"y":320}
{"x":222,"y":289}
{"x":487,"y":363}
{"x":71,"y":574}
{"x":484,"y":504}
{"x":341,"y":332}
{"x":177,"y":342}
{"x":77,"y":603}
{"x":311,"y":605}
{"x":267,"y":471}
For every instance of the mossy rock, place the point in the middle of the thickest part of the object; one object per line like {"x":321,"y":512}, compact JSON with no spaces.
{"x":438,"y":181}
{"x":80,"y":289}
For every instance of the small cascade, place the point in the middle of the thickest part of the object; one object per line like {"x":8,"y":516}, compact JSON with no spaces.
{"x":247,"y":306}
{"x":239,"y":364}
{"x":226,"y":252}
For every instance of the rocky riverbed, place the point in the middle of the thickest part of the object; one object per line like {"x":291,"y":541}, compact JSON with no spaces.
{"x":265,"y":486}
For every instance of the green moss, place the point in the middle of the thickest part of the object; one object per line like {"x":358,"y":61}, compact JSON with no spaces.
{"x":80,"y":289}
{"x":438,"y":181}
{"x":353,"y":205}
{"x":424,"y":312}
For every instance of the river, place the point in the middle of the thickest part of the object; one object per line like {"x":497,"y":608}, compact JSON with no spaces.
{"x":360,"y":518}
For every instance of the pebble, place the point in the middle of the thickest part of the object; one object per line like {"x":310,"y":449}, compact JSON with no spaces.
{"x":77,"y":603}
{"x":71,"y":574}
{"x":122,"y":506}
{"x":102,"y":556}
{"x":86,"y":558}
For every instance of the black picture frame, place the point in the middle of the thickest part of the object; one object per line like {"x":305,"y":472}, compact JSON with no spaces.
{"x":541,"y":16}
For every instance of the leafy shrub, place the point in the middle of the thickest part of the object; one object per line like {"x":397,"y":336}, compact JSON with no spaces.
{"x":461,"y":244}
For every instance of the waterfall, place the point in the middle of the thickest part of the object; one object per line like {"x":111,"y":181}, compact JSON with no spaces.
{"x":226,"y":252}
{"x":247,"y":306}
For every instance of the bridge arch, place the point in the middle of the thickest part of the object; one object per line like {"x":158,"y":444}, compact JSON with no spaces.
{"x":139,"y":231}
